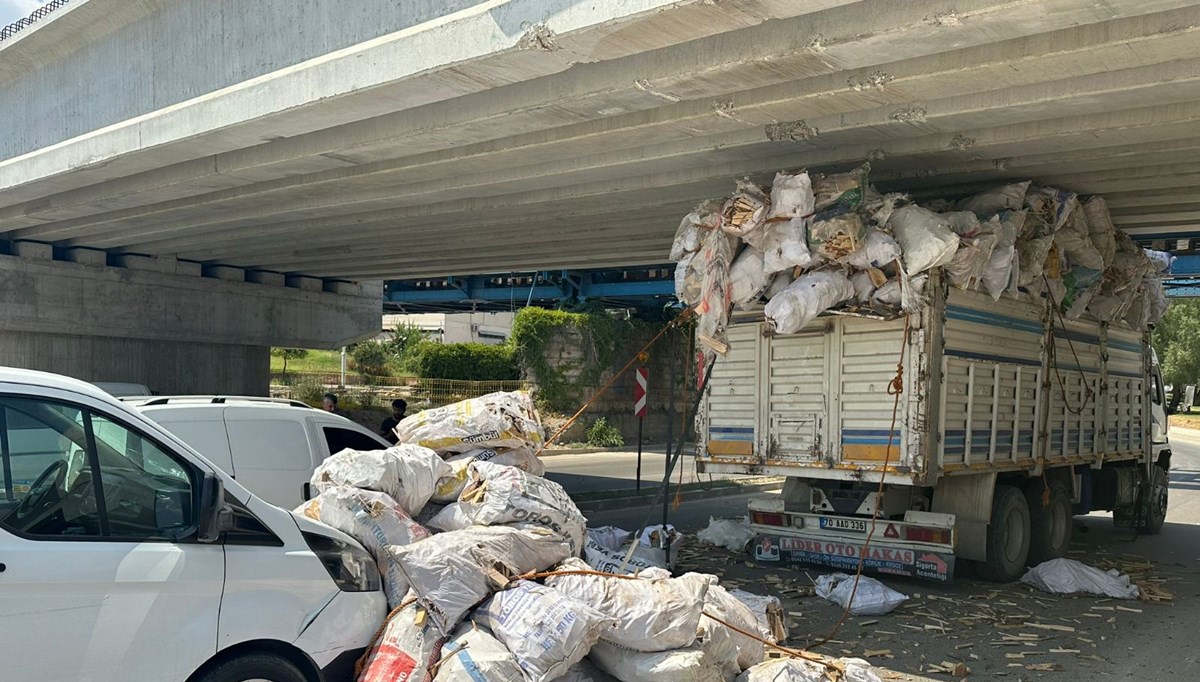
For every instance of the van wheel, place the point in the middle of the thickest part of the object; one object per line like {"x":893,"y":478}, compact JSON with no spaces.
{"x":1007,"y":536}
{"x":1050,"y":528}
{"x":253,"y":668}
{"x":1156,"y":505}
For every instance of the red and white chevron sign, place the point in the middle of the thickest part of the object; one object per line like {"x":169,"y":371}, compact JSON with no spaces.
{"x":639,"y":392}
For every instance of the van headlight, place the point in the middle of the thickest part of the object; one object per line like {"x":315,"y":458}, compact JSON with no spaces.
{"x":350,"y":566}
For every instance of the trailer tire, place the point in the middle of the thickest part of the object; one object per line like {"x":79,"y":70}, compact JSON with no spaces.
{"x":1007,"y":536}
{"x":1050,"y":528}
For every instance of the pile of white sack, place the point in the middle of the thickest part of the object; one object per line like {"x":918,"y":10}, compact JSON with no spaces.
{"x":492,"y":574}
{"x":810,"y":244}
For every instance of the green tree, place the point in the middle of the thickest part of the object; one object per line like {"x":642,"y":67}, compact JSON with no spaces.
{"x":371,"y":358}
{"x":1176,"y":339}
{"x":288,"y":354}
{"x":404,"y":339}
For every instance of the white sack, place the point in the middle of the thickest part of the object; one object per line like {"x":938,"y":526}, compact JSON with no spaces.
{"x":408,"y":473}
{"x":998,"y":273}
{"x":1075,"y":240}
{"x":785,"y":246}
{"x":682,"y":665}
{"x":546,"y":630}
{"x":689,"y":279}
{"x":1068,"y":576}
{"x":836,"y":236}
{"x":1052,"y":204}
{"x":791,"y":196}
{"x":728,"y":608}
{"x":840,"y":191}
{"x":877,"y":250}
{"x":376,"y":521}
{"x":406,"y":650}
{"x":691,"y":230}
{"x":451,"y":486}
{"x":802,"y":670}
{"x":1101,"y":228}
{"x":716,"y":291}
{"x":1032,"y":254}
{"x":607,"y":560}
{"x":450,"y":517}
{"x":744,"y":213}
{"x":872,"y":598}
{"x":749,"y":280}
{"x":886,"y":205}
{"x":1160,"y":260}
{"x":768,"y":613}
{"x":732,"y":534}
{"x":586,"y":671}
{"x":449,"y":571}
{"x":810,"y":295}
{"x":498,"y":494}
{"x":778,"y":284}
{"x":1006,"y":198}
{"x":608,"y":537}
{"x":863,"y":285}
{"x":925,"y":238}
{"x":473,"y":653}
{"x":496,"y":420}
{"x":650,"y":615}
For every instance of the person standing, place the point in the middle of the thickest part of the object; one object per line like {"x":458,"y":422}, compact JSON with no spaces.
{"x":387,"y":429}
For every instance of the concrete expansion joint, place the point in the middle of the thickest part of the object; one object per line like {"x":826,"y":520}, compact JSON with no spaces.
{"x":961,"y":142}
{"x":538,"y":37}
{"x":790,"y":131}
{"x":913,"y":114}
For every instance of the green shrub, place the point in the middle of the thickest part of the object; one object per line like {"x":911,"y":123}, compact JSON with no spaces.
{"x":464,"y":361}
{"x":601,"y":434}
{"x":308,"y":391}
{"x":371,"y":358}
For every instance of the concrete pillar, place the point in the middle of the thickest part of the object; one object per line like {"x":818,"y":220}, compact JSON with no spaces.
{"x":177,"y":333}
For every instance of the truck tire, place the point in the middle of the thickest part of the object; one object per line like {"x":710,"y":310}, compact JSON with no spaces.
{"x":1156,"y":509}
{"x":1007,"y":536}
{"x":1050,"y":528}
{"x":255,"y":666}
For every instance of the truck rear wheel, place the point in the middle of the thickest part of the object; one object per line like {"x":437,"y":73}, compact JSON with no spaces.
{"x":1007,"y":536}
{"x":1156,"y":505}
{"x":1050,"y":528}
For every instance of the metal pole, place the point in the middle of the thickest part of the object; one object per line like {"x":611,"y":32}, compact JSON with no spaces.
{"x":343,"y":378}
{"x":670,"y":439}
{"x":638,"y":485}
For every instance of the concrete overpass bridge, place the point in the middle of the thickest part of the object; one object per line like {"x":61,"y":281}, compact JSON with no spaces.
{"x":273,"y":161}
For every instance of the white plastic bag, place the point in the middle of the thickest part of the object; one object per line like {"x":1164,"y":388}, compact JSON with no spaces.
{"x":650,"y":614}
{"x":408,"y":473}
{"x":872,"y":598}
{"x":495,"y":420}
{"x":409,"y":647}
{"x":1068,"y":576}
{"x":768,"y":613}
{"x":732,"y":534}
{"x":720,"y":603}
{"x":877,"y":250}
{"x":802,"y":670}
{"x":450,"y":571}
{"x":681,"y":665}
{"x":1006,"y":198}
{"x":473,"y":653}
{"x":546,"y":630}
{"x":497,"y":494}
{"x":376,"y":521}
{"x":791,"y":196}
{"x":925,"y":238}
{"x":810,"y":295}
{"x":749,"y":280}
{"x":785,"y":246}
{"x":745,"y":212}
{"x":449,"y":487}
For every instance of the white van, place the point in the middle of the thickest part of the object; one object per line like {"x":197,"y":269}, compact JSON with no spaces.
{"x":270,"y":446}
{"x":126,"y":555}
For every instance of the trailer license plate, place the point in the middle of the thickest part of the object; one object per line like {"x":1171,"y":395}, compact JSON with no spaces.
{"x":852,"y":525}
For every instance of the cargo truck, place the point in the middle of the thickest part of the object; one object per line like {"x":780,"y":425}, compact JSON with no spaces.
{"x":1011,"y":420}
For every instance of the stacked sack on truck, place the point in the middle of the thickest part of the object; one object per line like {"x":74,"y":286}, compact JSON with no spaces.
{"x":504,"y":581}
{"x":811,"y":244}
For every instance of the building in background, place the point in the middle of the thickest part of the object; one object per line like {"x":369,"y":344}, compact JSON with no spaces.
{"x":489,"y":328}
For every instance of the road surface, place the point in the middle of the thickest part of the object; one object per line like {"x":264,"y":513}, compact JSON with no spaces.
{"x":614,"y":470}
{"x":1149,"y":641}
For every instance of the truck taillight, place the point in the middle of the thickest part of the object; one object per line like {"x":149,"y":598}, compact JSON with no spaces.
{"x":939,"y":536}
{"x":767,"y":519}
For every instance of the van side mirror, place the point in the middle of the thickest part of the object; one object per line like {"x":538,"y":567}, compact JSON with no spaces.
{"x":215,"y":515}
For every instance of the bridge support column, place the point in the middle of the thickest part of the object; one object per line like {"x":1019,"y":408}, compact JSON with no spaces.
{"x":174,"y":327}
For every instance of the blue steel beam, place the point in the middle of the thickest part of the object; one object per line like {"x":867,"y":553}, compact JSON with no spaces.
{"x":629,"y":287}
{"x":1185,"y":266}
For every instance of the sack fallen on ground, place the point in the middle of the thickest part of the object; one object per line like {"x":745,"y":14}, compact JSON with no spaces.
{"x":376,"y":521}
{"x":802,"y":670}
{"x":1068,"y":576}
{"x":768,"y":613}
{"x":496,"y":494}
{"x":452,"y":572}
{"x":607,"y":560}
{"x":732,"y":534}
{"x":1006,"y":198}
{"x":409,"y":646}
{"x":473,"y":653}
{"x":650,"y":614}
{"x":681,"y":665}
{"x":547,"y":630}
{"x":810,"y":295}
{"x":748,"y":278}
{"x":609,"y":537}
{"x":720,"y":603}
{"x":872,"y":598}
{"x":408,"y":473}
{"x":925,"y":238}
{"x":495,"y":420}
{"x":449,"y":487}
{"x":791,"y":196}
{"x":586,"y":671}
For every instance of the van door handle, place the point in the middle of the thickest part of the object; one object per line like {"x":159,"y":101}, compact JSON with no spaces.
{"x":306,"y":491}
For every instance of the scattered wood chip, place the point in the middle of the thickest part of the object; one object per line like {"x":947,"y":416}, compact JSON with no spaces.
{"x":877,"y":653}
{"x":1065,"y":651}
{"x":1126,"y":608}
{"x":1051,"y":626}
{"x":1043,"y":667}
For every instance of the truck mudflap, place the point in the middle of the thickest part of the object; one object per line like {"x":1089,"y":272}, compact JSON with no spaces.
{"x":842,"y":554}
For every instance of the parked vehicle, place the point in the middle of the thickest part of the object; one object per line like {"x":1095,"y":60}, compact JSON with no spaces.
{"x":270,"y":446}
{"x":1002,"y":403}
{"x":127,"y":556}
{"x":121,"y":389}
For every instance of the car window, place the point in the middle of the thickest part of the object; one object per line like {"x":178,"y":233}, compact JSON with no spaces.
{"x":338,"y":439}
{"x":78,"y":473}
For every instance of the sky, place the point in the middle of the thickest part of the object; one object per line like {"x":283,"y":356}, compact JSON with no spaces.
{"x":11,"y":10}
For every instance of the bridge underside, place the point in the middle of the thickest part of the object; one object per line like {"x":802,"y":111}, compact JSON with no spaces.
{"x":507,"y":137}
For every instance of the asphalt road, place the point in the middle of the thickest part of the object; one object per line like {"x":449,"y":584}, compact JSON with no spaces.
{"x":598,"y":471}
{"x":1139,"y":641}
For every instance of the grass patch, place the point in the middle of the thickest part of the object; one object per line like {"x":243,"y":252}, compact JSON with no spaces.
{"x":315,"y":361}
{"x":1186,"y":421}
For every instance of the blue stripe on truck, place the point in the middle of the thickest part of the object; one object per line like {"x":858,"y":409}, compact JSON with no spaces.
{"x":955,"y":312}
